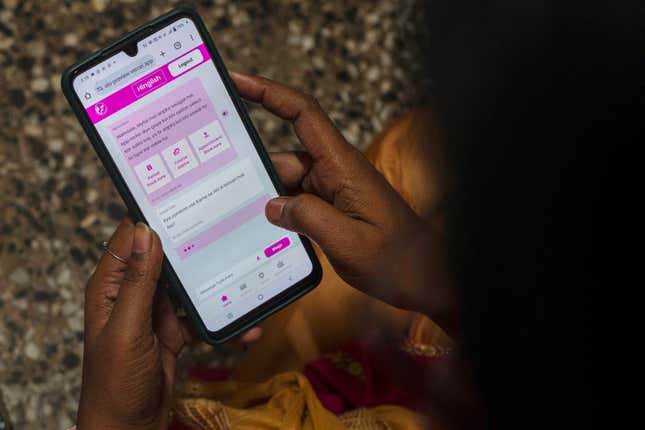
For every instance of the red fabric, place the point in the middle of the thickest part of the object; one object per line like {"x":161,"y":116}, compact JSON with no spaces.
{"x":388,"y":376}
{"x":176,"y":425}
{"x":208,"y":374}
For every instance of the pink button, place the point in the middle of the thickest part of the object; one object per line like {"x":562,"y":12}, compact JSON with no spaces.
{"x":149,"y":83}
{"x":277,"y":247}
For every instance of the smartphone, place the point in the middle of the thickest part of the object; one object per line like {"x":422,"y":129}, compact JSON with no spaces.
{"x":164,"y":118}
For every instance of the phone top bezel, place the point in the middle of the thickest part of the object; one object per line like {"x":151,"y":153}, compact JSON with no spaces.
{"x":265,"y":309}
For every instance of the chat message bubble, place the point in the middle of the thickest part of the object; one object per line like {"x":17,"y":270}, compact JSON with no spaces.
{"x":164,"y":122}
{"x":209,"y":201}
{"x":160,"y":125}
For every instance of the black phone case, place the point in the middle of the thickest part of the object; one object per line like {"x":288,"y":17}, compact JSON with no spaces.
{"x":179,"y":293}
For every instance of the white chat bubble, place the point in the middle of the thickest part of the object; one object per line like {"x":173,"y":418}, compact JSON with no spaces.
{"x":200,"y":206}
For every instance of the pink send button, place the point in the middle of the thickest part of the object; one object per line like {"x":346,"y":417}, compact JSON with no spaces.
{"x":277,"y":247}
{"x":148,"y":83}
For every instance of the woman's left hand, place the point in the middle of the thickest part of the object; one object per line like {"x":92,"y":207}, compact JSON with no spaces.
{"x":132,"y":337}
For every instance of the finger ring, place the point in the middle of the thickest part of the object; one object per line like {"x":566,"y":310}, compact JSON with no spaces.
{"x":105,"y":246}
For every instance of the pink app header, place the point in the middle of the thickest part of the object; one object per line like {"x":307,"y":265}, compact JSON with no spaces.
{"x":143,"y":86}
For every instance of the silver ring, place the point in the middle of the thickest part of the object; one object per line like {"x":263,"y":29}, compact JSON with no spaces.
{"x":105,"y":246}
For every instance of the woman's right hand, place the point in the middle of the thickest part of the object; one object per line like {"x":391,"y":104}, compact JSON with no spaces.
{"x":370,"y":235}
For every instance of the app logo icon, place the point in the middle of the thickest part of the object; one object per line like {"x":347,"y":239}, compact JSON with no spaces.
{"x":176,"y":152}
{"x":224,"y":298}
{"x":100,"y":108}
{"x":149,"y":167}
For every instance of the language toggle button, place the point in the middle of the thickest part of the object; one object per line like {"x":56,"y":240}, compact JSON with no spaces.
{"x":148,"y":83}
{"x":277,"y":247}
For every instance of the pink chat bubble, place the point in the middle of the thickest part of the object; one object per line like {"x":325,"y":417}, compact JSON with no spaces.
{"x":158,"y":126}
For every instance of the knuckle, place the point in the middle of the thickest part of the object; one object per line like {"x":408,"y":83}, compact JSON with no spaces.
{"x":295,"y":210}
{"x":120,"y":343}
{"x":134,"y":274}
{"x":310,"y":103}
{"x":92,"y":284}
{"x":299,"y":205}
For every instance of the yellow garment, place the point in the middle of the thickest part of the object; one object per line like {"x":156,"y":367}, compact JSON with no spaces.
{"x":409,"y":155}
{"x":286,"y":401}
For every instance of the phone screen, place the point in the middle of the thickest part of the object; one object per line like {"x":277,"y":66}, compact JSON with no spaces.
{"x":173,"y":131}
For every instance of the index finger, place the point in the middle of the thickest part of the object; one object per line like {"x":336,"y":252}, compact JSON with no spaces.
{"x":313,"y":127}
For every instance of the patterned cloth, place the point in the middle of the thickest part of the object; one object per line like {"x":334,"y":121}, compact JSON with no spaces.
{"x":360,"y":386}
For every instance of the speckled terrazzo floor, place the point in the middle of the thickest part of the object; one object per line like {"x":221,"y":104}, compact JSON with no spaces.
{"x":56,"y":203}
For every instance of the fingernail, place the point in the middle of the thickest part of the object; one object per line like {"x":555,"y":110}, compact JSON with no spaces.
{"x":274,"y":209}
{"x":142,"y":239}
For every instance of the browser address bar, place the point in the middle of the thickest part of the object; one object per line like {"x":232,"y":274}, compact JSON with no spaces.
{"x":126,"y":74}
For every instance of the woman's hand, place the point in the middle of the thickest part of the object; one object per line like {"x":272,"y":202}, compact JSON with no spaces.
{"x":132,"y":337}
{"x":374,"y":240}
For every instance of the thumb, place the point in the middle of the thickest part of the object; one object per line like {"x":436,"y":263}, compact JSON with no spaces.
{"x":315,"y":218}
{"x":134,"y":304}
